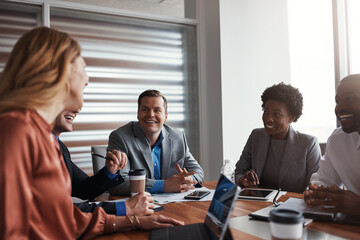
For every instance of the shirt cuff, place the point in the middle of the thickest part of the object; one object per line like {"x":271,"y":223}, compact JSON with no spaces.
{"x":198,"y":185}
{"x":109,"y":174}
{"x":120,"y":209}
{"x":158,"y":187}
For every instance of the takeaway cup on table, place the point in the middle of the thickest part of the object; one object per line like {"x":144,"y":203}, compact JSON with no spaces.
{"x":286,"y":224}
{"x":137,"y":181}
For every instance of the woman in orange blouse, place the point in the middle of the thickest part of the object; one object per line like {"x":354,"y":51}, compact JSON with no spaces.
{"x":45,"y":75}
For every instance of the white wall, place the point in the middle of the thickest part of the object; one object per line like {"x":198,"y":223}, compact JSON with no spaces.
{"x":211,"y":152}
{"x":254,"y":55}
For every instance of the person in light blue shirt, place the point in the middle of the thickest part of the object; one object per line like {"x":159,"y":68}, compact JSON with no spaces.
{"x":159,"y":149}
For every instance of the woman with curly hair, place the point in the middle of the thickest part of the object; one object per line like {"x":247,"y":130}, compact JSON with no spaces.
{"x":277,"y":156}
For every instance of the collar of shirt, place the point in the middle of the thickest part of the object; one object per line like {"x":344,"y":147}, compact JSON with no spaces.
{"x":159,"y":140}
{"x":57,"y":138}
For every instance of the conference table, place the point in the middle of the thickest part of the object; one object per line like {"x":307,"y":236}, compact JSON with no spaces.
{"x":195,"y":212}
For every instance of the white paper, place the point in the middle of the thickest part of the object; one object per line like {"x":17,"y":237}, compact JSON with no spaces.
{"x":164,"y":198}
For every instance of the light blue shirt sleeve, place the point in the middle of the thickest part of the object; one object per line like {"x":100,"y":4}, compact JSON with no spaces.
{"x":120,"y":209}
{"x":158,"y":187}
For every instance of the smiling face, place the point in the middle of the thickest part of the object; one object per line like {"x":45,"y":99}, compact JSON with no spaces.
{"x":276,"y":119}
{"x":152,"y":116}
{"x":78,"y":81}
{"x":347,"y":100}
{"x":64,"y":121}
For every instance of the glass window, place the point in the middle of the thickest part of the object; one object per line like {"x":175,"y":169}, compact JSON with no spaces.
{"x":15,"y":20}
{"x":312,"y":64}
{"x":168,"y":8}
{"x":124,"y":57}
{"x":354,"y":35}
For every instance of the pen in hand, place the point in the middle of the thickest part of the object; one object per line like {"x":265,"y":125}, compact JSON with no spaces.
{"x":98,"y":155}
{"x":114,"y":157}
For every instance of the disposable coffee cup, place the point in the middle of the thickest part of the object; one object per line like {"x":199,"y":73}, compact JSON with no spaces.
{"x":286,"y":224}
{"x":137,"y":181}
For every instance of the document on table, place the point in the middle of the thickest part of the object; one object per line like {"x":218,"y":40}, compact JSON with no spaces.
{"x":163,"y":198}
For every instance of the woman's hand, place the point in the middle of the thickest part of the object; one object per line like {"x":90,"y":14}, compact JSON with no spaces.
{"x":144,"y":222}
{"x":157,"y":221}
{"x":249,"y":179}
{"x":140,"y":204}
{"x":115,"y":161}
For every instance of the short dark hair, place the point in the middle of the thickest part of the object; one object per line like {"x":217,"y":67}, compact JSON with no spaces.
{"x":351,"y":78}
{"x":152,"y":93}
{"x":287,"y":94}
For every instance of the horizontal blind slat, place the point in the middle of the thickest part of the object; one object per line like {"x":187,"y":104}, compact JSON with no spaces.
{"x":140,"y":55}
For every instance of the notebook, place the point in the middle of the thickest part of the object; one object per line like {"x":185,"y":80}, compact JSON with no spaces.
{"x":264,"y":215}
{"x":298,"y":205}
{"x":314,"y":213}
{"x":216,"y":223}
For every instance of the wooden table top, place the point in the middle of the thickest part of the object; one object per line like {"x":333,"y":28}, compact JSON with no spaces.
{"x":195,"y":212}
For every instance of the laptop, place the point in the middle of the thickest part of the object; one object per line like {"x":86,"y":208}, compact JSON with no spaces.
{"x":216,"y":223}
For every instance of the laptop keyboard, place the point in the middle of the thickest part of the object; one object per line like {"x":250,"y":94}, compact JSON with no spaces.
{"x":192,"y":231}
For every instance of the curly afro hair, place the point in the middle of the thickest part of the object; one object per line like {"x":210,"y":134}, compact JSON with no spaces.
{"x":287,"y":94}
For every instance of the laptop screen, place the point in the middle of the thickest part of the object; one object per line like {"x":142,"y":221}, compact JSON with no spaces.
{"x":218,"y":216}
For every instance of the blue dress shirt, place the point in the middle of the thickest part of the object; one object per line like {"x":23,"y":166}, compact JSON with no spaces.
{"x":158,"y":186}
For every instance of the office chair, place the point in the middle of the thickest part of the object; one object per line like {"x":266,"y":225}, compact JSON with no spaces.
{"x":97,"y":161}
{"x":323,"y":148}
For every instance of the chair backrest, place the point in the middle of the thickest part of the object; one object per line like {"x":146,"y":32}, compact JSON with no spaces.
{"x":323,"y":148}
{"x":98,"y":162}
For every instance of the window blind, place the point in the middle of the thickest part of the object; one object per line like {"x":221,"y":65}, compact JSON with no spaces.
{"x":125,"y":57}
{"x":15,"y":20}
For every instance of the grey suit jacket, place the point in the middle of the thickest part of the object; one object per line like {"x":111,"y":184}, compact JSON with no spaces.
{"x":301,"y":158}
{"x":131,"y":140}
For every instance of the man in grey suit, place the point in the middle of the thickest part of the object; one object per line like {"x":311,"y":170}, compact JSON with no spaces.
{"x":156,"y":147}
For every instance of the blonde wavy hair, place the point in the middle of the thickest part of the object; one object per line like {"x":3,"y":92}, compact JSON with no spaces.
{"x":36,"y":73}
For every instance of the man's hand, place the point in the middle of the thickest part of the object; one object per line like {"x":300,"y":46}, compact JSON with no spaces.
{"x":249,"y":179}
{"x":181,"y":182}
{"x":307,"y":194}
{"x":115,"y":160}
{"x":334,"y":198}
{"x":140,"y":204}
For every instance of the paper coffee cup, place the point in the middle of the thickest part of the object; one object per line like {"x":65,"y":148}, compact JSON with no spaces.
{"x":137,"y":181}
{"x":286,"y":224}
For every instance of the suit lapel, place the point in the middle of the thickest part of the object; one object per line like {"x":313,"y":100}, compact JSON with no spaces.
{"x":288,"y":156}
{"x":166,"y":154}
{"x":262,"y":154}
{"x":143,"y":147}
